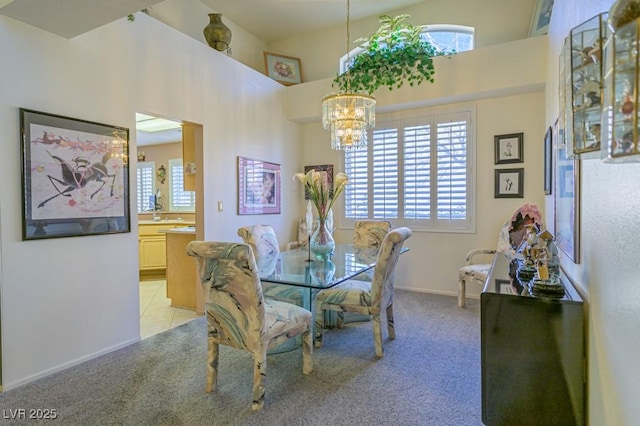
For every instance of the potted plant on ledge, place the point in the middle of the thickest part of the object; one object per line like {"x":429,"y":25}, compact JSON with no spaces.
{"x":395,"y":53}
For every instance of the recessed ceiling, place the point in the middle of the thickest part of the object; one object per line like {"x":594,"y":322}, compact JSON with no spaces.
{"x":152,"y":130}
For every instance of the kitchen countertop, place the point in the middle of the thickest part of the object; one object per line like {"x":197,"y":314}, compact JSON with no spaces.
{"x":180,"y":230}
{"x":166,"y":222}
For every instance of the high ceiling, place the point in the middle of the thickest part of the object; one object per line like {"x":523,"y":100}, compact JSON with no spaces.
{"x":268,"y":20}
{"x":272,"y":20}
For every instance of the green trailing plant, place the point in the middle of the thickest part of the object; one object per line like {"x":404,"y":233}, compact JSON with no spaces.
{"x":395,"y":53}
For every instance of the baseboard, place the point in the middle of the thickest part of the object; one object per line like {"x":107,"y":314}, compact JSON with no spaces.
{"x":78,"y":361}
{"x":442,"y":293}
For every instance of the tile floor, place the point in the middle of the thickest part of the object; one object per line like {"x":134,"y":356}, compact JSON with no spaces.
{"x":156,"y":313}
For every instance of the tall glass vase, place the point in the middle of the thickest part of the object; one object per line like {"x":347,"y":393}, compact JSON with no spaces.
{"x":322,"y":242}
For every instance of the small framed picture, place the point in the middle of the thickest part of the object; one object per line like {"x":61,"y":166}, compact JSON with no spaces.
{"x":284,"y":69}
{"x":548,"y":160}
{"x":509,"y":148}
{"x":258,"y":187}
{"x":504,"y":286}
{"x":541,"y":18}
{"x":509,"y":183}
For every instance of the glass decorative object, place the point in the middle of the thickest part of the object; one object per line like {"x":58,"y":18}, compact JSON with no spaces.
{"x":322,"y":243}
{"x":622,"y":12}
{"x":620,"y":119}
{"x":586,"y":84}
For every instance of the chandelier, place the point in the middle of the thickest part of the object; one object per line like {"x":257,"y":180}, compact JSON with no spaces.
{"x":348,"y":115}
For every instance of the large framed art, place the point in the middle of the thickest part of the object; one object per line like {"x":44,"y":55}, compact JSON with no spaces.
{"x":75,"y":176}
{"x":258,"y":187}
{"x":567,"y":202}
{"x":548,"y":162}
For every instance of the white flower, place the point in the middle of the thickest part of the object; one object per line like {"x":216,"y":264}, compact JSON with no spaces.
{"x":316,"y":185}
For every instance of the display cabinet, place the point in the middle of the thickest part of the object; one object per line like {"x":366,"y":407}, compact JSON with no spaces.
{"x":620,"y":114}
{"x":586,"y":84}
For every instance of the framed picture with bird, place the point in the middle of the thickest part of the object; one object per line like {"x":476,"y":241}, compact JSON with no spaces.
{"x":75,"y":176}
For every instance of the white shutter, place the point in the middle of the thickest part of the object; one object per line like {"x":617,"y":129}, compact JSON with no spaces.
{"x":385,"y":173}
{"x":180,"y":200}
{"x":145,"y":188}
{"x":417,"y":172}
{"x":356,"y":193}
{"x":452,"y":170}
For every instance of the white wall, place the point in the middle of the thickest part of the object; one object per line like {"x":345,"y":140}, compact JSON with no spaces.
{"x":191,"y":16}
{"x":495,"y":21}
{"x":69,"y":299}
{"x":433,"y":262}
{"x":608,"y":272}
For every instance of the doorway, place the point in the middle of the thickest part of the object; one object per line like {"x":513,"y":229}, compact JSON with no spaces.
{"x":165,"y":197}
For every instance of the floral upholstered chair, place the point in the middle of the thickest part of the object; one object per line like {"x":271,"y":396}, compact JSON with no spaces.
{"x":264,"y":243}
{"x":239,"y":316}
{"x":370,"y":298}
{"x":367,"y":238}
{"x":370,"y":233}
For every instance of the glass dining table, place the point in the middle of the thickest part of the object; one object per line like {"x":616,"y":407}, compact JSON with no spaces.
{"x":300,"y":270}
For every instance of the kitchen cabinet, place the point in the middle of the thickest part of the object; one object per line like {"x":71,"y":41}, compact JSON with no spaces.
{"x":152,"y":247}
{"x":183,"y":285}
{"x":191,"y":134}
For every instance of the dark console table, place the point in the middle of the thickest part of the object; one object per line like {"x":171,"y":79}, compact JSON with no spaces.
{"x":533,"y":354}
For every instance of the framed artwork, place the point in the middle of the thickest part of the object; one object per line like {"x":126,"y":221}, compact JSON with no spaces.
{"x":258,"y":187}
{"x":503,"y":286}
{"x":326,"y":171}
{"x":567,"y":204}
{"x":509,"y":148}
{"x":75,"y":177}
{"x":541,"y":18}
{"x":509,"y":183}
{"x":284,"y":69}
{"x":548,"y":162}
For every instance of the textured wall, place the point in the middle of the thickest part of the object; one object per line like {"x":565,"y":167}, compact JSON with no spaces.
{"x":608,"y":271}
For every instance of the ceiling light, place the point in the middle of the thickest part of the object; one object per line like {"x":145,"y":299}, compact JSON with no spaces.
{"x":348,"y":115}
{"x":147,"y":123}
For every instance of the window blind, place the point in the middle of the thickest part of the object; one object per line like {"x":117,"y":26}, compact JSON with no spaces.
{"x":145,"y":186}
{"x":414,"y":172}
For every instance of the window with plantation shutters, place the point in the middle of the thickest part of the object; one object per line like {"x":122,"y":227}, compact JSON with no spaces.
{"x":179,"y":199}
{"x":145,"y":186}
{"x":414,"y":172}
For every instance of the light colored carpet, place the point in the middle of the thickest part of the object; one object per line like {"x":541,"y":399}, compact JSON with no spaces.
{"x":430,"y":375}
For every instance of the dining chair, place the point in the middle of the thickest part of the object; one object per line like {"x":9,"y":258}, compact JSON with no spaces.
{"x":240,"y":317}
{"x":370,"y":233}
{"x":264,"y":243}
{"x":367,"y":235}
{"x":370,"y":298}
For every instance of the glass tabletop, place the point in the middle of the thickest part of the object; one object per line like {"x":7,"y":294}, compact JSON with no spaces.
{"x":298,"y":268}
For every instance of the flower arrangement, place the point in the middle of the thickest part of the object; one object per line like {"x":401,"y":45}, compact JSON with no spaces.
{"x":320,"y":193}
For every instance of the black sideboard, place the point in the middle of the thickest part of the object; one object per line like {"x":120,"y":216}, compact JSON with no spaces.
{"x":533,"y":354}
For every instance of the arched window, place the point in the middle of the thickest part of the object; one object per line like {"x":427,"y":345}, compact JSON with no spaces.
{"x":443,"y":37}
